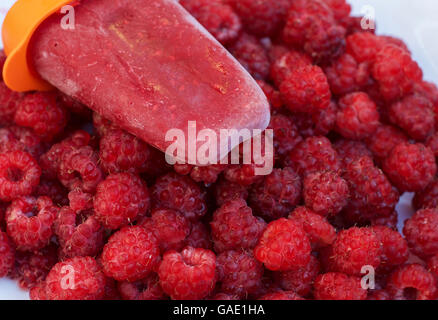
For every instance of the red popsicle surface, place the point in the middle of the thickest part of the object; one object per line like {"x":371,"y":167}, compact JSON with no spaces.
{"x":148,"y":66}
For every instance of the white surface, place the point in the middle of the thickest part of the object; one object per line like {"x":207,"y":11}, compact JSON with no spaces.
{"x":414,"y":21}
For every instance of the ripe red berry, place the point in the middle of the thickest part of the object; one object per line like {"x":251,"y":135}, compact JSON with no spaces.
{"x":7,"y":255}
{"x":338,"y":286}
{"x":286,"y":135}
{"x":394,"y":248}
{"x":281,"y":295}
{"x":427,"y":198}
{"x":384,"y":139}
{"x":351,"y":150}
{"x":145,"y":289}
{"x":286,"y":64}
{"x":9,"y":101}
{"x":225,"y":191}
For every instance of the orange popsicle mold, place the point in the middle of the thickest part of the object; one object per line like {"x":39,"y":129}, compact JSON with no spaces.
{"x":20,"y":23}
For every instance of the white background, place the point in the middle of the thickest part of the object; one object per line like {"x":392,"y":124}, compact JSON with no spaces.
{"x":416,"y":21}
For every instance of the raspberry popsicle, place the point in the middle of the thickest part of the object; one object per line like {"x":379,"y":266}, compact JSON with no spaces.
{"x":148,"y":66}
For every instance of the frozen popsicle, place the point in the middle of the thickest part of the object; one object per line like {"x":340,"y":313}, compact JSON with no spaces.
{"x":150,"y":67}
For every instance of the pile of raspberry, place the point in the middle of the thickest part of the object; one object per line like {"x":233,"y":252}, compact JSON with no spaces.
{"x":89,"y":211}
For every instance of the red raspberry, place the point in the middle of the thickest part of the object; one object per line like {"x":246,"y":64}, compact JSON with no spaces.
{"x":314,"y":154}
{"x":379,"y":295}
{"x":414,"y":115}
{"x":326,"y":193}
{"x":263,"y":17}
{"x":130,"y":254}
{"x":353,"y":249}
{"x":319,"y":231}
{"x":363,"y":46}
{"x":432,"y":266}
{"x":188,"y":275}
{"x":311,"y":24}
{"x":79,"y":168}
{"x":7,"y":255}
{"x":341,"y":9}
{"x":300,"y":280}
{"x":242,"y":174}
{"x":239,"y":272}
{"x":286,"y":64}
{"x":225,"y":191}
{"x":283,"y":246}
{"x":41,"y":112}
{"x":421,"y":232}
{"x":384,"y":139}
{"x":338,"y":286}
{"x":199,"y":236}
{"x":233,"y":226}
{"x":38,"y":292}
{"x":29,"y":222}
{"x":272,"y":94}
{"x":80,"y":201}
{"x":350,"y":150}
{"x":277,"y":194}
{"x":218,"y":18}
{"x":281,"y":295}
{"x":357,"y":117}
{"x":394,"y":248}
{"x":412,"y":282}
{"x":252,"y":55}
{"x":396,"y":72}
{"x":19,"y":175}
{"x":410,"y":167}
{"x":19,"y":138}
{"x":120,"y":199}
{"x":306,"y":90}
{"x":170,"y":227}
{"x":208,"y":174}
{"x":370,"y":191}
{"x":390,"y":221}
{"x":286,"y":135}
{"x":52,"y":189}
{"x":428,"y":90}
{"x":180,"y":193}
{"x":120,"y":151}
{"x":102,"y":125}
{"x":9,"y":101}
{"x":145,"y":289}
{"x":224,"y":297}
{"x":427,"y":198}
{"x":432,"y":143}
{"x":79,"y":278}
{"x":78,"y":234}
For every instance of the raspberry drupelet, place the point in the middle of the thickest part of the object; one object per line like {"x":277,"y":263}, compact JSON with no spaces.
{"x":384,"y":139}
{"x":225,"y":191}
{"x":357,"y":117}
{"x":7,"y":255}
{"x":283,"y":246}
{"x":9,"y":101}
{"x":144,"y":289}
{"x":410,"y":167}
{"x":19,"y":175}
{"x":233,"y":226}
{"x":120,"y":199}
{"x":180,"y":193}
{"x":130,"y":254}
{"x":78,"y":278}
{"x":338,"y":286}
{"x":29,"y":222}
{"x":189,"y":274}
{"x":277,"y":194}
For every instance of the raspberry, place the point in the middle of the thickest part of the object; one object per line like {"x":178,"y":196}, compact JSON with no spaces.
{"x":102,"y":125}
{"x":145,"y":289}
{"x":120,"y":151}
{"x":78,"y":234}
{"x":80,"y":201}
{"x":218,"y":18}
{"x":29,"y":222}
{"x":394,"y":248}
{"x":370,"y":191}
{"x":41,"y":112}
{"x":390,"y":221}
{"x":350,"y":150}
{"x":19,"y":175}
{"x":251,"y":55}
{"x":225,"y":191}
{"x":421,"y":232}
{"x":233,"y":226}
{"x":208,"y":174}
{"x":338,"y":286}
{"x":412,"y":282}
{"x":384,"y":139}
{"x":414,"y":115}
{"x":341,"y":9}
{"x":353,"y":249}
{"x":19,"y":138}
{"x":272,"y":94}
{"x":120,"y":199}
{"x":239,"y":273}
{"x":38,"y":292}
{"x":326,"y":193}
{"x":180,"y":193}
{"x":286,"y":135}
{"x":395,"y":72}
{"x":242,"y":174}
{"x":319,"y":231}
{"x":224,"y":297}
{"x":130,"y":254}
{"x":79,"y":168}
{"x":432,"y":143}
{"x":189,"y":274}
{"x":313,"y":154}
{"x":286,"y":64}
{"x":7,"y":255}
{"x":427,"y":198}
{"x":281,"y":295}
{"x":9,"y":101}
{"x":52,"y":189}
{"x":262,"y":18}
{"x":199,"y":236}
{"x":410,"y":167}
{"x":283,"y":246}
{"x":170,"y":227}
{"x":357,"y":117}
{"x":312,"y":26}
{"x":379,"y":295}
{"x":363,"y":46}
{"x":277,"y":194}
{"x":78,"y":278}
{"x":432,"y":266}
{"x":300,"y":280}
{"x":306,"y":90}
